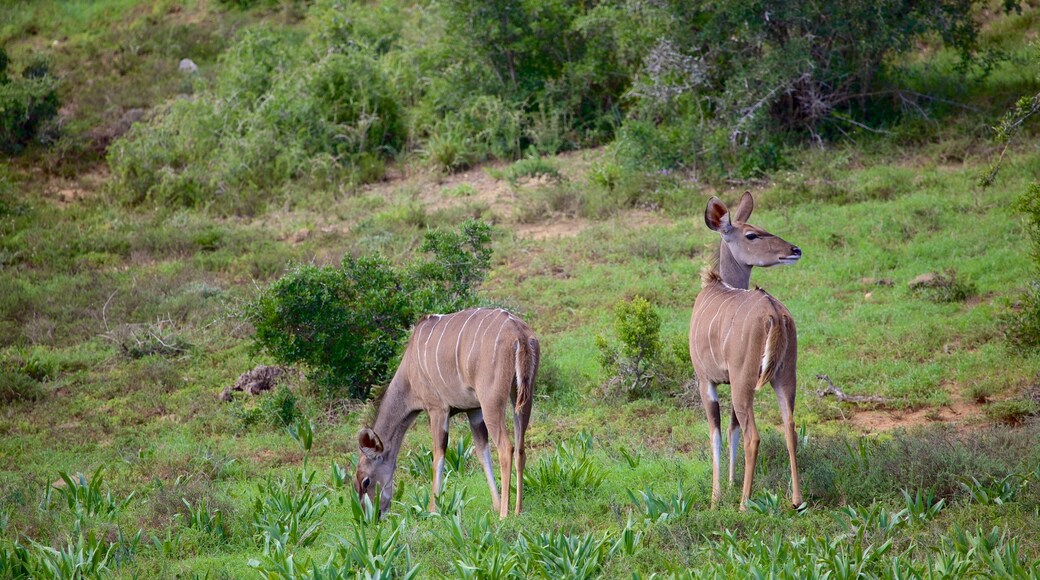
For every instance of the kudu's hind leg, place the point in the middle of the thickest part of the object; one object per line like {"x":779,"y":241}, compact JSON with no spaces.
{"x":494,"y":418}
{"x":483,"y":450}
{"x":785,"y":390}
{"x":520,"y":422}
{"x":439,"y":429}
{"x":710,"y":401}
{"x":744,"y":410}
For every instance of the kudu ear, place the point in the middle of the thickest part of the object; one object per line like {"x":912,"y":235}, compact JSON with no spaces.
{"x":744,"y":208}
{"x":716,"y":215}
{"x":369,"y":443}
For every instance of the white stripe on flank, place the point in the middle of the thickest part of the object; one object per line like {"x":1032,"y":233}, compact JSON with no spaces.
{"x":698,"y":314}
{"x":732,"y":322}
{"x":437,"y":353}
{"x":424,"y":365}
{"x":494,"y":355}
{"x":473,"y":344}
{"x":458,"y":367}
{"x":711,"y":343}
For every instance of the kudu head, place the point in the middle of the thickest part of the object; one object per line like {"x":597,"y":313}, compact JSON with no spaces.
{"x":374,"y":471}
{"x":744,"y":245}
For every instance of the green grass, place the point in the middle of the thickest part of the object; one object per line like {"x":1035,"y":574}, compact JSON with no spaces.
{"x":154,"y":423}
{"x":119,"y":327}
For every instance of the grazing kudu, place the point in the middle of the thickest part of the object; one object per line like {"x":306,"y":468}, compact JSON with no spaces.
{"x":475,"y":361}
{"x":745,"y":338}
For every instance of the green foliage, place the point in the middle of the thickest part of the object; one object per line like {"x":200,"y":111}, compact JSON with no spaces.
{"x":84,"y":497}
{"x":946,"y":287}
{"x":276,"y":409}
{"x":209,"y":522}
{"x":997,"y":491}
{"x":1024,"y":324}
{"x":566,"y":470}
{"x":656,"y":508}
{"x":85,"y":556}
{"x":721,"y":85}
{"x":922,"y":506}
{"x":560,"y":555}
{"x":1012,"y":412}
{"x":288,"y":513}
{"x":633,"y":363}
{"x":376,"y":555}
{"x":27,"y":102}
{"x":346,"y":324}
{"x":18,"y":385}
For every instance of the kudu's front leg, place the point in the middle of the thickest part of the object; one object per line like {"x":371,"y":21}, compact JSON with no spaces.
{"x":710,"y":401}
{"x":439,"y":430}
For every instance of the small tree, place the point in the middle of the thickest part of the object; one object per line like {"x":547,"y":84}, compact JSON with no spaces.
{"x":26,"y":103}
{"x":631,"y":365}
{"x":346,"y":325}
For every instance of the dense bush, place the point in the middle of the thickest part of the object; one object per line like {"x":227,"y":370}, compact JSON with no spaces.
{"x":722,"y":83}
{"x":26,"y":103}
{"x":716,"y":89}
{"x":641,"y":364}
{"x":347,"y":324}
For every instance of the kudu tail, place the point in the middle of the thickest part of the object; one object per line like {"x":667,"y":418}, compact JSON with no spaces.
{"x":775,"y":346}
{"x":527,"y":354}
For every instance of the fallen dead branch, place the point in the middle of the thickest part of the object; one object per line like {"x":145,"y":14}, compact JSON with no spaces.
{"x":841,"y":396}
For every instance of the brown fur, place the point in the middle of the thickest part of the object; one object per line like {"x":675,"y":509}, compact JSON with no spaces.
{"x":476,"y":361}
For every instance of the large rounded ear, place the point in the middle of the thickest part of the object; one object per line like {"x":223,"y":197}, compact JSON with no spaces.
{"x":716,"y":215}
{"x":744,"y":208}
{"x":369,"y":443}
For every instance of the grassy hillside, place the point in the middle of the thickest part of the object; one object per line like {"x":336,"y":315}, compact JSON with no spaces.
{"x":120,"y":325}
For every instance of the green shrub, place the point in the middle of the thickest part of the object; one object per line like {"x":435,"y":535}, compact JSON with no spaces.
{"x":1012,"y":412}
{"x":945,"y":287}
{"x":346,"y":324}
{"x":720,"y":86}
{"x":26,"y":103}
{"x":1024,"y":324}
{"x":17,"y":385}
{"x":630,"y":365}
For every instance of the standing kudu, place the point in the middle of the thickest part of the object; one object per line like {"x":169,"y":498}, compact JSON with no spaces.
{"x":745,"y":338}
{"x":474,"y":361}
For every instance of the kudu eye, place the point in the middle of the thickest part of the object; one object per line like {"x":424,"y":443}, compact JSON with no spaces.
{"x":364,"y":483}
{"x":751,"y":236}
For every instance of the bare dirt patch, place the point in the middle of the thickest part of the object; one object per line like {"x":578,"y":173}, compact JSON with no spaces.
{"x":959,"y":414}
{"x":85,"y":186}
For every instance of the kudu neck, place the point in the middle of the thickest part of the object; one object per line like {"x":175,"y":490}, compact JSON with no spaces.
{"x":394,"y":417}
{"x":734,"y":273}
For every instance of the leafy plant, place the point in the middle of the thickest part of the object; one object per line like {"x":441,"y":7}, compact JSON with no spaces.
{"x":1012,"y":412}
{"x":864,"y":520}
{"x":565,"y":470}
{"x":556,"y":554}
{"x":631,"y":365}
{"x":455,"y":456}
{"x":27,"y":102}
{"x":206,"y":521}
{"x":84,"y":496}
{"x":288,"y":514}
{"x":347,"y":324}
{"x":657,"y":508}
{"x":85,"y":556}
{"x":632,"y":458}
{"x":922,"y":506}
{"x":997,"y":492}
